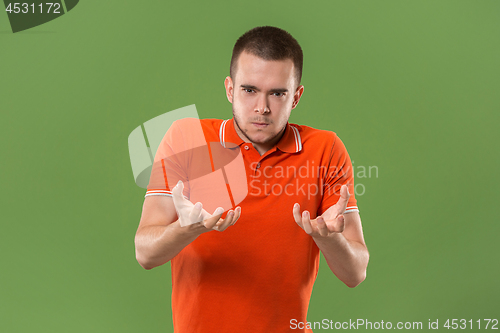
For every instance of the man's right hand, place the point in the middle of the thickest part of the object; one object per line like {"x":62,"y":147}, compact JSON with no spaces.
{"x":195,"y":220}
{"x":160,"y":235}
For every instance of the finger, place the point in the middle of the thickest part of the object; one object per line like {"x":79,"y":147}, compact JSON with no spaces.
{"x":296,"y":215}
{"x":195,"y":215}
{"x":338,"y":225}
{"x":344,"y":198}
{"x":211,"y":221}
{"x":237,"y":214}
{"x":205,"y":215}
{"x":322,"y":228}
{"x":226,"y":222}
{"x":306,"y":222}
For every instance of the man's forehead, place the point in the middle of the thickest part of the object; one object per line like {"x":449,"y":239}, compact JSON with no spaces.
{"x":252,"y":70}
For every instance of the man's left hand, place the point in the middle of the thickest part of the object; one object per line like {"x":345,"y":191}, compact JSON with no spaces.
{"x":331,"y":222}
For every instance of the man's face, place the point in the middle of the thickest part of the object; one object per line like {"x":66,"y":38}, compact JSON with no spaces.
{"x":263,"y":94}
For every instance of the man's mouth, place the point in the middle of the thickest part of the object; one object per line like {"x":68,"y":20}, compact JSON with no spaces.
{"x":260,"y":125}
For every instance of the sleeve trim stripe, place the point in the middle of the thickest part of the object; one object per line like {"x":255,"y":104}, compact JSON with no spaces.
{"x":159,"y":191}
{"x":155,"y":193}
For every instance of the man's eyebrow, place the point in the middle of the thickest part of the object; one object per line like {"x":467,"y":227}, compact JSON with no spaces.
{"x":247,"y":86}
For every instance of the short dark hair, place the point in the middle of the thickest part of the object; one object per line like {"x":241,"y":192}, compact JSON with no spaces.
{"x":269,"y":43}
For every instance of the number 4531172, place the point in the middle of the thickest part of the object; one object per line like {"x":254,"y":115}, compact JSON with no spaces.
{"x":463,"y":323}
{"x":24,"y":8}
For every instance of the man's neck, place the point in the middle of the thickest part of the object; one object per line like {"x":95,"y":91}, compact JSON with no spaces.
{"x":261,"y":148}
{"x":265,"y":147}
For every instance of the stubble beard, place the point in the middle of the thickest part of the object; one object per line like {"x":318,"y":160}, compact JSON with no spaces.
{"x":275,"y":137}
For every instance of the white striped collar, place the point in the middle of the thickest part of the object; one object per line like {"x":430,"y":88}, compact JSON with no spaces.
{"x":291,"y":142}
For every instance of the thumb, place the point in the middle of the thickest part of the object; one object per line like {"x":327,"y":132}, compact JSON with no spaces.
{"x":344,"y":198}
{"x":177,"y":194}
{"x":178,"y":187}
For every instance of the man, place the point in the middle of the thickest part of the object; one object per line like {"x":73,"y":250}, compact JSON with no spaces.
{"x":255,"y":275}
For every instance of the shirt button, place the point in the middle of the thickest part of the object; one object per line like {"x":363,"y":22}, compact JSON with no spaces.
{"x":258,"y":165}
{"x":246,"y":148}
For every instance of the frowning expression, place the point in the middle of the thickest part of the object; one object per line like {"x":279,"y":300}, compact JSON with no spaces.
{"x":263,"y":93}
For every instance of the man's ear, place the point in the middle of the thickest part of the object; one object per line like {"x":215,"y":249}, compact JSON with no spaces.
{"x":228,"y":83}
{"x":297,"y":95}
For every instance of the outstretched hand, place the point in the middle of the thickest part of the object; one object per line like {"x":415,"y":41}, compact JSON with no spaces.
{"x":331,"y":222}
{"x":198,"y":219}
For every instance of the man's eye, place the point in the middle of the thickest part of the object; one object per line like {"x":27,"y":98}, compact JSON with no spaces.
{"x":248,"y":90}
{"x":279,"y":94}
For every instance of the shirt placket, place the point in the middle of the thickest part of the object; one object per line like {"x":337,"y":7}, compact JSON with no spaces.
{"x":256,"y":164}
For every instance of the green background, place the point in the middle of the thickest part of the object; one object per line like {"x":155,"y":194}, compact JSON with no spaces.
{"x":411,"y":87}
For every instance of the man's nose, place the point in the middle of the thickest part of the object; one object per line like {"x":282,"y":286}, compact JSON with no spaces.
{"x":262,"y":106}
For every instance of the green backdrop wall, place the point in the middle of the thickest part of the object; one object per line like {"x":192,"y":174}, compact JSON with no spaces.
{"x":411,"y":87}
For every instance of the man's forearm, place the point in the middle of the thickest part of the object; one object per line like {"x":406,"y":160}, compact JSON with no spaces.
{"x":156,"y":245}
{"x":348,"y":260}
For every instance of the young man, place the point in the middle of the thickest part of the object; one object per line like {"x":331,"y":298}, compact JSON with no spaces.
{"x":255,"y":275}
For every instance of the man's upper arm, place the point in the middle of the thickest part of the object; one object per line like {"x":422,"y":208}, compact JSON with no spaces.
{"x":158,"y":210}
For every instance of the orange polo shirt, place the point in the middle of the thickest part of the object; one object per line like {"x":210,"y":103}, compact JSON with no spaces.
{"x":258,"y":275}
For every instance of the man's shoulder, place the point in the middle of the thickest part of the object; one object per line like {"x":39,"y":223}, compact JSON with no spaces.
{"x":308,"y":133}
{"x":319,"y":140}
{"x":212,"y":123}
{"x":187,"y":125}
{"x":190,"y":132}
{"x":203,"y":122}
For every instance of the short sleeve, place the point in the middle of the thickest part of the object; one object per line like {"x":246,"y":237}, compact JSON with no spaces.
{"x":168,"y":167}
{"x":182,"y":155}
{"x":339,"y":172}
